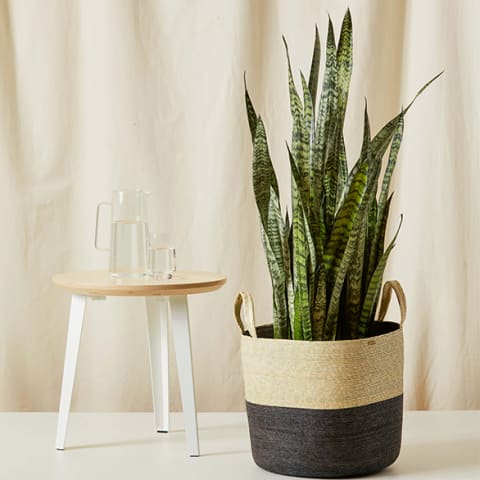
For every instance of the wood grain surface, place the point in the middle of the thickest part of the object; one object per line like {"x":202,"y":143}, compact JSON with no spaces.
{"x":102,"y":283}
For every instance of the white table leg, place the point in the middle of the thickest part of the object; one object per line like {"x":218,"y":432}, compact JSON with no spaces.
{"x":77,"y":313}
{"x":157,"y":313}
{"x":181,"y":338}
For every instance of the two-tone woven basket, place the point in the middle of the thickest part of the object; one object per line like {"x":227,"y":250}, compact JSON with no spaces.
{"x":324,"y":409}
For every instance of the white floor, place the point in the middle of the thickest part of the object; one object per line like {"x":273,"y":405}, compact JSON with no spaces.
{"x":118,"y":446}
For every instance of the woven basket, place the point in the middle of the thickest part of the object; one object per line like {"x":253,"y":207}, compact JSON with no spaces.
{"x":324,"y":409}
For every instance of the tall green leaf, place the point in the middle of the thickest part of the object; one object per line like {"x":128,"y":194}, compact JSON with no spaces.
{"x":383,"y":138}
{"x":320,"y":305}
{"x":344,"y":221}
{"x":381,"y":226}
{"x":344,"y":64}
{"x":275,"y":235}
{"x":251,"y":114}
{"x":296,"y":109}
{"x":287,"y":232}
{"x":373,"y":291}
{"x":344,"y":67}
{"x":302,"y":245}
{"x":354,"y":290}
{"x":314,"y":69}
{"x":365,"y":151}
{"x":331,"y":321}
{"x":276,"y":276}
{"x":264,"y":176}
{"x":377,"y":242}
{"x":332,"y":131}
{"x":307,"y":137}
{"x":371,"y":226}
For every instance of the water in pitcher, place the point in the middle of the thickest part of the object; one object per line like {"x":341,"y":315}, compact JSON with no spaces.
{"x":129,"y":248}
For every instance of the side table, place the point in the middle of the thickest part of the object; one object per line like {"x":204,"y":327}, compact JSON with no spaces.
{"x":159,"y":295}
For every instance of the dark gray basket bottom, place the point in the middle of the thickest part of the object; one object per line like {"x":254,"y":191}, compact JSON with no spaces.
{"x":326,"y":443}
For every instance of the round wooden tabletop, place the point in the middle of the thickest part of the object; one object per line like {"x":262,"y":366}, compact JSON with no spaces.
{"x":101,"y":283}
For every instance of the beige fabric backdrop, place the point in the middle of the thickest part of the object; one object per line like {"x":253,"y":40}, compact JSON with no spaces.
{"x":97,"y":95}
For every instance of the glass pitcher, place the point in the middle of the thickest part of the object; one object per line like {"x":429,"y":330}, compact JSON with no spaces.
{"x":129,"y":233}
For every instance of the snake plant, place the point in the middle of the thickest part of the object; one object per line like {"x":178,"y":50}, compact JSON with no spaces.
{"x":327,"y":259}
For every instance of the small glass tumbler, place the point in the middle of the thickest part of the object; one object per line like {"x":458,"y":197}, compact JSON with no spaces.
{"x":161,"y":258}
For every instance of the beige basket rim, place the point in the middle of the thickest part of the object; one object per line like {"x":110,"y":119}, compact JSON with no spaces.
{"x":324,"y":342}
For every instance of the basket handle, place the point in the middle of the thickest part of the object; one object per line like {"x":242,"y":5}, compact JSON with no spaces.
{"x":245,"y":300}
{"x":386,"y":297}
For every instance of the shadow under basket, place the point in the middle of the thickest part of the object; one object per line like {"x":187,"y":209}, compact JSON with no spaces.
{"x":324,"y":408}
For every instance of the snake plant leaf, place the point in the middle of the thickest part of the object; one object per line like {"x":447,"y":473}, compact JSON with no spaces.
{"x":275,"y":236}
{"x":302,"y":323}
{"x":377,"y":243}
{"x":344,"y":64}
{"x":371,"y":226}
{"x":354,"y":289}
{"x":287,"y":233}
{"x":327,"y":104}
{"x":319,"y":314}
{"x":297,"y":180}
{"x":330,"y":178}
{"x":344,"y":67}
{"x":392,"y":161}
{"x":275,"y":230}
{"x":331,"y":321}
{"x":299,"y":149}
{"x":251,"y":114}
{"x":332,"y":130}
{"x":422,"y":90}
{"x":302,"y":329}
{"x":382,"y":227}
{"x":367,"y":138}
{"x":272,"y":239}
{"x":344,"y":61}
{"x":365,"y":150}
{"x":296,"y":109}
{"x":301,"y":202}
{"x":305,"y":165}
{"x":264,"y":176}
{"x":342,"y":172}
{"x":373,"y":291}
{"x":276,"y":276}
{"x":314,"y":69}
{"x":383,"y":138}
{"x":312,"y":266}
{"x":344,"y":221}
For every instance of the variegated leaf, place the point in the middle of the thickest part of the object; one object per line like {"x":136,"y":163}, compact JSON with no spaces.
{"x":344,"y":221}
{"x":264,"y":176}
{"x":296,"y":109}
{"x":314,"y":69}
{"x":251,"y":114}
{"x":373,"y":291}
{"x":305,"y":165}
{"x":302,"y":322}
{"x":344,"y":63}
{"x":331,"y":321}
{"x":320,"y":305}
{"x":377,"y":242}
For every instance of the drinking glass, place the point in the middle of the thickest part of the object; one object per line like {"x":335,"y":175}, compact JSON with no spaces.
{"x":161,"y":257}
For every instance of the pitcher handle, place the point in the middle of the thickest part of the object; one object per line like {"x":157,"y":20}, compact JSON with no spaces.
{"x":101,"y":204}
